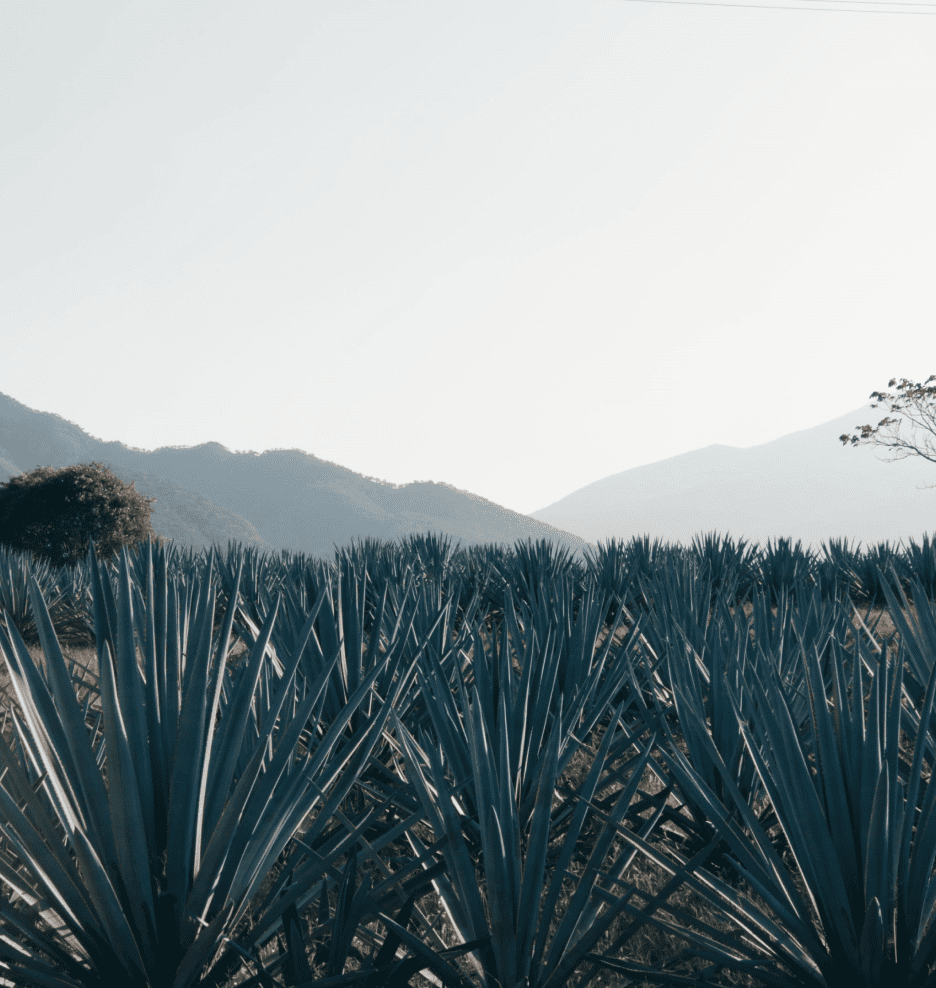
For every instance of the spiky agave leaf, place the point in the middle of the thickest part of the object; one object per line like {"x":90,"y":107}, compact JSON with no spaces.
{"x":14,"y":592}
{"x":354,"y":903}
{"x":518,"y":888}
{"x":862,"y":851}
{"x":123,"y":919}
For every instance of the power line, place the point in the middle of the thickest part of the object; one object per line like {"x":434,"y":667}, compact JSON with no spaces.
{"x":879,"y":3}
{"x":830,"y":10}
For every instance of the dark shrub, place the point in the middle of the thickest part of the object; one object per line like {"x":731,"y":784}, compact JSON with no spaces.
{"x":54,"y":514}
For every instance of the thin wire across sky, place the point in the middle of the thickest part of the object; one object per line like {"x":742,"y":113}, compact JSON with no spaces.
{"x":881,"y":8}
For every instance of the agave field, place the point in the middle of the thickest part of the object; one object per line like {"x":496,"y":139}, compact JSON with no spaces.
{"x":487,"y":767}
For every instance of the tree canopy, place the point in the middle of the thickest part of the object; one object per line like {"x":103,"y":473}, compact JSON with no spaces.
{"x":54,"y":514}
{"x":917,"y":395}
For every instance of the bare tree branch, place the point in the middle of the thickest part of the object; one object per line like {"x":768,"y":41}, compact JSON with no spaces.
{"x":916,"y":395}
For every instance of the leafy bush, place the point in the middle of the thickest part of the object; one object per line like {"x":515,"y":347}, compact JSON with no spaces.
{"x":54,"y":514}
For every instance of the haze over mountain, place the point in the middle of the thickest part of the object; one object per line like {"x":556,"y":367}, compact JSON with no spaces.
{"x":806,"y":485}
{"x":279,"y":499}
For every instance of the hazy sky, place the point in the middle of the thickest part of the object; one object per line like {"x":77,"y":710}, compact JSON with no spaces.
{"x":512,"y":246}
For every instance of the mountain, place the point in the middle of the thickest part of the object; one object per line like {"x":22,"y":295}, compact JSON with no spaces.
{"x":806,"y":485}
{"x":280,"y":499}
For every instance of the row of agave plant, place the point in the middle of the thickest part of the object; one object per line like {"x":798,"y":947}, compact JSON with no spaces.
{"x":735,"y":569}
{"x":138,"y":836}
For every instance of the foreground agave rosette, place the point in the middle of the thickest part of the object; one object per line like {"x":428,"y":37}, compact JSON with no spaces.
{"x":860,"y":828}
{"x":143,"y":878}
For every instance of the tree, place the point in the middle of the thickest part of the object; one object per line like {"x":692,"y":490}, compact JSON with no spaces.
{"x":916,"y":395}
{"x":56,"y":513}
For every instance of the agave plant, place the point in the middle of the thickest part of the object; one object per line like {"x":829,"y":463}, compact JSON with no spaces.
{"x":14,"y":565}
{"x":134,"y":863}
{"x":506,"y":751}
{"x":861,"y":830}
{"x":522,"y":896}
{"x":382,"y":969}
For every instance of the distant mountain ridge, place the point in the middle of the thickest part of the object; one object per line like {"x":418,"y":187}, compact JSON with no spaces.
{"x":280,"y":499}
{"x":806,"y":485}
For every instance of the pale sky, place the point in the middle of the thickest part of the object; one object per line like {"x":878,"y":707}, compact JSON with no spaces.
{"x":515,"y":247}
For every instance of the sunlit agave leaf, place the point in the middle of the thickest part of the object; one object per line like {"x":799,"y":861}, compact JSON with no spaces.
{"x":266,"y":826}
{"x":133,"y":703}
{"x":755,"y":857}
{"x":917,"y":635}
{"x":14,"y":591}
{"x":492,"y":787}
{"x":127,"y":816}
{"x":531,"y":704}
{"x":534,"y":868}
{"x":466,"y":911}
{"x":54,"y":942}
{"x":44,"y":729}
{"x":186,"y":799}
{"x":795,"y":940}
{"x":574,"y":940}
{"x":854,"y":899}
{"x":220,"y":844}
{"x":235,"y":723}
{"x":53,"y":872}
{"x":514,"y":900}
{"x":66,"y":756}
{"x":147,"y":940}
{"x":760,"y":931}
{"x":111,"y":915}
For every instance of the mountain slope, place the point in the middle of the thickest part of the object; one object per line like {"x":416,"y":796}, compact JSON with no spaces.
{"x":281,"y":499}
{"x":805,"y":485}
